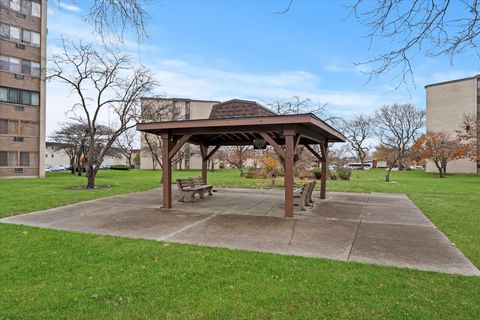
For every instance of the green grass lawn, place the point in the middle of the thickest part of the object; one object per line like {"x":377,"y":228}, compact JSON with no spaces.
{"x":54,"y":274}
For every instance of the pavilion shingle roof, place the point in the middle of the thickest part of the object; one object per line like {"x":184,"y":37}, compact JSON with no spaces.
{"x":237,"y":108}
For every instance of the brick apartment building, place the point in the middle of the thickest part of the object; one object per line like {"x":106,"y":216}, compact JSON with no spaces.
{"x":447,"y":103}
{"x":23,"y":29}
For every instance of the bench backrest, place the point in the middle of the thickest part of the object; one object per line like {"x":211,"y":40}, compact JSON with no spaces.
{"x":190,"y":182}
{"x":197,"y":181}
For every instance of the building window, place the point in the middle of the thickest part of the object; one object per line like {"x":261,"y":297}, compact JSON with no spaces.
{"x":13,"y":95}
{"x":27,"y":36}
{"x":31,"y":68}
{"x":3,"y":158}
{"x":9,"y":32}
{"x":3,"y":94}
{"x":52,"y":155}
{"x":3,"y":126}
{"x":35,"y":70}
{"x":35,"y":99}
{"x":15,"y":5}
{"x":27,"y":7}
{"x":4,"y":31}
{"x":12,"y":159}
{"x":24,"y":159}
{"x":14,"y":33}
{"x":36,"y":39}
{"x":31,"y":37}
{"x":18,"y":96}
{"x":12,"y":127}
{"x":36,"y":9}
{"x":10,"y":64}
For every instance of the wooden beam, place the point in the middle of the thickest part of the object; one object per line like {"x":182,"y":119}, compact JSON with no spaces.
{"x":297,"y":140}
{"x":203,"y":151}
{"x":178,"y":145}
{"x":319,"y":157}
{"x":211,"y":153}
{"x":323,"y":185}
{"x":167,"y":170}
{"x":273,"y":143}
{"x":289,"y":178}
{"x":310,"y":134}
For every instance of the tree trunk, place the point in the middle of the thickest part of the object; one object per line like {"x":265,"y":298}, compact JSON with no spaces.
{"x":129,"y":158}
{"x":439,"y":168}
{"x":241,"y":171}
{"x":444,"y":168}
{"x":91,"y":174}
{"x":387,"y":176}
{"x":72,"y":166}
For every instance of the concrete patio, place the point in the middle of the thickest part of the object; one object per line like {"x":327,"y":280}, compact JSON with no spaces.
{"x":385,"y":229}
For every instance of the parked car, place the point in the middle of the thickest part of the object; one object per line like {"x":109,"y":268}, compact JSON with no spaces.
{"x":358,"y":166}
{"x":393,"y":169}
{"x":48,"y":168}
{"x":58,"y":168}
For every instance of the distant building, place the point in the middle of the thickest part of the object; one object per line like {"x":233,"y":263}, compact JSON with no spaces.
{"x":23,"y":31}
{"x":447,"y":103}
{"x":183,"y":109}
{"x":55,"y":156}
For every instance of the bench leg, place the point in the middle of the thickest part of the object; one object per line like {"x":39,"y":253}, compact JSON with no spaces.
{"x":210,"y":192}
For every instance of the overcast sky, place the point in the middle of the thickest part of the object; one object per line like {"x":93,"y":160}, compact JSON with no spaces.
{"x":241,"y":49}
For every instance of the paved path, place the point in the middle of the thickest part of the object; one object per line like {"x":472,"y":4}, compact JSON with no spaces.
{"x":385,"y":229}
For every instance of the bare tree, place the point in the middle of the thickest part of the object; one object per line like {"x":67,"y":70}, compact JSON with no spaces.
{"x":397,"y":126}
{"x":114,"y":18}
{"x":357,"y":131}
{"x":237,"y":155}
{"x":105,"y":84}
{"x":297,"y":105}
{"x":431,"y":27}
{"x":71,"y":139}
{"x":125,"y":144}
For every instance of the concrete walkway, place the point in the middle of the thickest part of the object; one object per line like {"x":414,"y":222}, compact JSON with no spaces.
{"x":385,"y":229}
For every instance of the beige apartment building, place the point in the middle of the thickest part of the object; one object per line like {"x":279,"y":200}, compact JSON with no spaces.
{"x":167,"y":109}
{"x":447,"y":103}
{"x":23,"y":30}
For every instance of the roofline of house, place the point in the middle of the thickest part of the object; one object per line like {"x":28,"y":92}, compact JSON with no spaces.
{"x":178,"y":99}
{"x":452,"y":81}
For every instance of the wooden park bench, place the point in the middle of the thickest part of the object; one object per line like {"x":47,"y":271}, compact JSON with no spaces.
{"x":189,"y":187}
{"x":303,"y":197}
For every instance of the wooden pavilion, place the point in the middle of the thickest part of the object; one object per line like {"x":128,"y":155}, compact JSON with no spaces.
{"x":240,"y":122}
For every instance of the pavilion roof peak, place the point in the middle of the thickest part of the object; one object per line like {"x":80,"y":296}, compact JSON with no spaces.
{"x":237,"y":108}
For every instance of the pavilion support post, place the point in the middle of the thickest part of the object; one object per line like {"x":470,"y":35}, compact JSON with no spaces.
{"x":167,"y":170}
{"x":323,"y":185}
{"x":203,"y":151}
{"x":289,"y":175}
